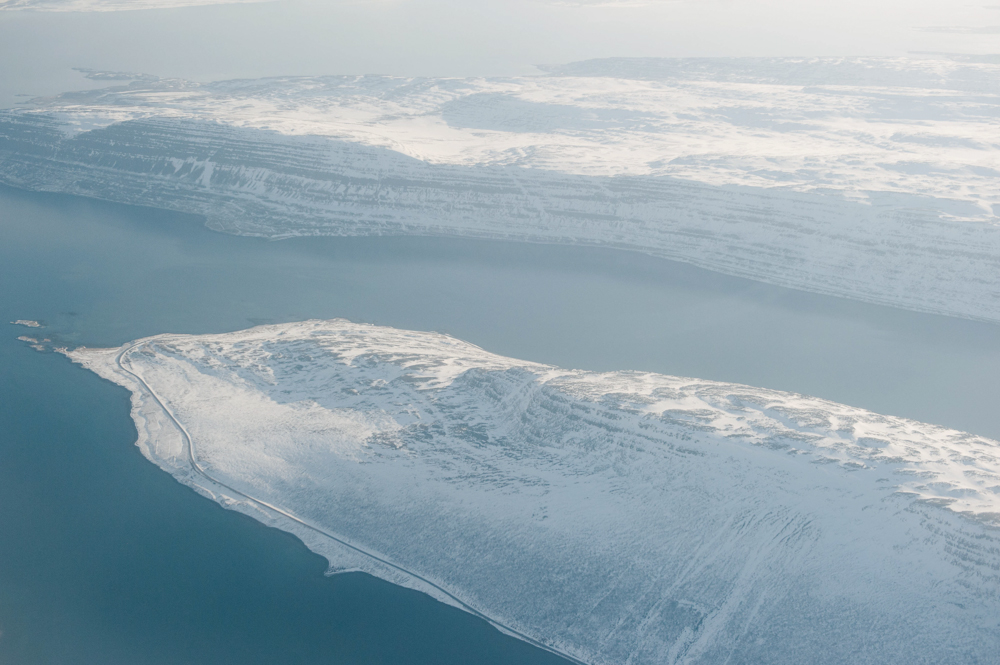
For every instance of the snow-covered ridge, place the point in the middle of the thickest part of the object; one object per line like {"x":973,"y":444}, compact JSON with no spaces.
{"x":868,"y":178}
{"x":616,"y":517}
{"x":943,"y":71}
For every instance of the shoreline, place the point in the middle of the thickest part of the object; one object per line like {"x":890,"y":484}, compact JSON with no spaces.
{"x":869,"y":224}
{"x":264,"y":512}
{"x":626,"y":250}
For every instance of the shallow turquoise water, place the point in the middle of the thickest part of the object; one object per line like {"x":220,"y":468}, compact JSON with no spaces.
{"x":105,"y":559}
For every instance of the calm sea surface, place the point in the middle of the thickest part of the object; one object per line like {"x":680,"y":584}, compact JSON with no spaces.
{"x":106,"y":559}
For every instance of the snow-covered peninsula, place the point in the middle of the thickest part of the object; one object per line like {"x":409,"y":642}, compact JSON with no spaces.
{"x":614,"y":517}
{"x":870,"y":178}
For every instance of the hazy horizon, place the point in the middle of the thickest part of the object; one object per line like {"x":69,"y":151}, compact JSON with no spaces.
{"x":455,"y":39}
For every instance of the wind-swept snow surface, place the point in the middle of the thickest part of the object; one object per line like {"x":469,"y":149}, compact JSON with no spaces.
{"x":618,"y":518}
{"x":869,"y":178}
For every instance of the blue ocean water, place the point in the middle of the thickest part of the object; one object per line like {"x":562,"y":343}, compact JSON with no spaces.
{"x":106,"y":559}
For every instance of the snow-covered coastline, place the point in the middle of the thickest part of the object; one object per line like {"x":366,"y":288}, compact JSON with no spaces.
{"x":618,"y":517}
{"x":868,"y":178}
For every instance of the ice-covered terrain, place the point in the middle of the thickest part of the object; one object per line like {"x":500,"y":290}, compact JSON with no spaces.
{"x":108,"y":5}
{"x":617,"y":518}
{"x":871,"y":178}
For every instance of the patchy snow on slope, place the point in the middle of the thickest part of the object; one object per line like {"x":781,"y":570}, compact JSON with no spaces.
{"x":856,"y":125}
{"x":868,"y":178}
{"x":617,"y":517}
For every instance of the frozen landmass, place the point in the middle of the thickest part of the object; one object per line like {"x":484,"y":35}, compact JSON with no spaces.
{"x":107,"y":5}
{"x":35,"y":343}
{"x":618,"y":517}
{"x":870,"y":178}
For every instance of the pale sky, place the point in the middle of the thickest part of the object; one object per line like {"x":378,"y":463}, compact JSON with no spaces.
{"x":458,"y":37}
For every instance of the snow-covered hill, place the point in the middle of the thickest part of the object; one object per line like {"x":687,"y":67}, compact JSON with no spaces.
{"x":874,"y":179}
{"x":619,"y":518}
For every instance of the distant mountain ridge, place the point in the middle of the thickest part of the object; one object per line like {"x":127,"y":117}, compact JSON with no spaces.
{"x":866,"y":178}
{"x":943,"y":71}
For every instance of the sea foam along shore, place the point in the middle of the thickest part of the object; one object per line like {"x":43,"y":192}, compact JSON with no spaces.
{"x":616,"y":517}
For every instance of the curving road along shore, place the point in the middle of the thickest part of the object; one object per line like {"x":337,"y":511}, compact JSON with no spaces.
{"x":197,"y":468}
